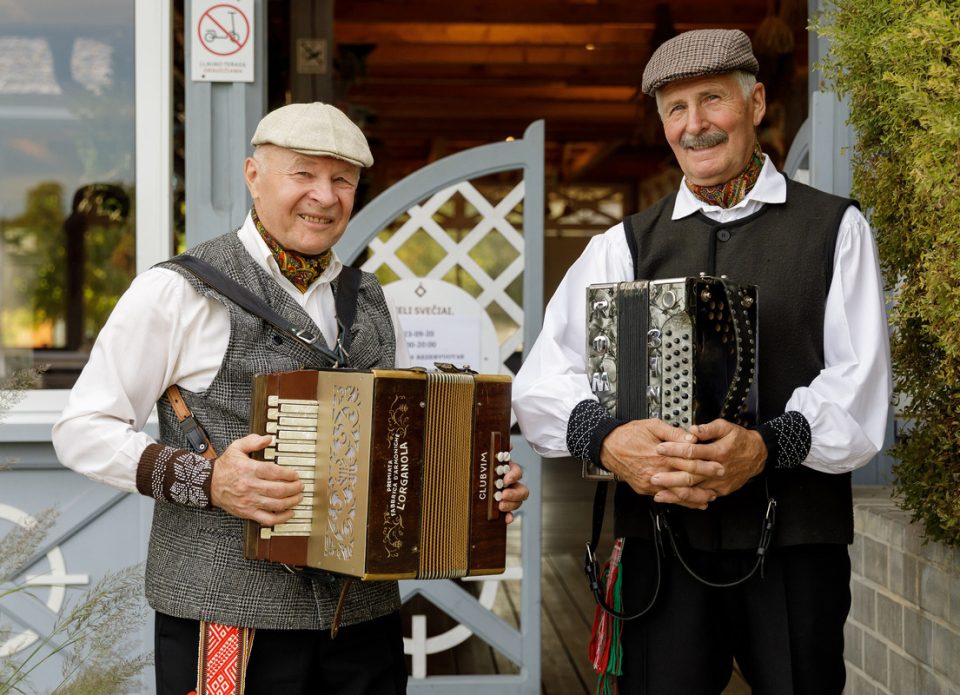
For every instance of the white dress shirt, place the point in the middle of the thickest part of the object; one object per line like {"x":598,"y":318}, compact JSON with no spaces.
{"x":162,"y":333}
{"x":846,"y":404}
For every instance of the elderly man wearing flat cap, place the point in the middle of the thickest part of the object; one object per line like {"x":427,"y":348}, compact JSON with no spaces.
{"x":824,"y":388}
{"x":224,"y":623}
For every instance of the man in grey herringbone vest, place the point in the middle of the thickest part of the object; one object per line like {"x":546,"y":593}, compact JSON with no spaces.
{"x":172,"y":329}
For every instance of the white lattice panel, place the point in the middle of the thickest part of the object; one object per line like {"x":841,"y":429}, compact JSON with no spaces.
{"x":493,"y":218}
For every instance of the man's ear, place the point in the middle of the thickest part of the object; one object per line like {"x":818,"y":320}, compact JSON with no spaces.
{"x":758,"y":97}
{"x":250,"y":175}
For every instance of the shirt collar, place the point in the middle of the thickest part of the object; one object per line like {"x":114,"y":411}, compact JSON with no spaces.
{"x":258,"y":249}
{"x":770,"y":188}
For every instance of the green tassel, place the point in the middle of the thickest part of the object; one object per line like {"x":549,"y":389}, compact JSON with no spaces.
{"x":608,"y":679}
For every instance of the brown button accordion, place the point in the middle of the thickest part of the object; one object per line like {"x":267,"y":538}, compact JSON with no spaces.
{"x":682,"y":350}
{"x":401,"y":470}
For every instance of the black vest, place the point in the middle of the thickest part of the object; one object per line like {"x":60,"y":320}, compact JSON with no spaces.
{"x":787,"y":251}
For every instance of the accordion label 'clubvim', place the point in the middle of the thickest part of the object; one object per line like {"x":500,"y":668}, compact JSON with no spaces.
{"x":401,"y":469}
{"x":683,"y":350}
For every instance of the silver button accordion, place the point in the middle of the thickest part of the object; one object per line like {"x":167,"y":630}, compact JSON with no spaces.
{"x":683,"y":350}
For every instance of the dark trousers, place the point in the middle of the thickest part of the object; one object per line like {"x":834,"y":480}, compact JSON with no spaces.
{"x":366,"y":658}
{"x":785,"y":629}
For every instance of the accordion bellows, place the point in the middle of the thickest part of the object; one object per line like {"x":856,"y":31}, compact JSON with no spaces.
{"x":401,"y":470}
{"x":683,"y":350}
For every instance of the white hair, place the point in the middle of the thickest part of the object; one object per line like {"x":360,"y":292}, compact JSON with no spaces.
{"x":745,"y":79}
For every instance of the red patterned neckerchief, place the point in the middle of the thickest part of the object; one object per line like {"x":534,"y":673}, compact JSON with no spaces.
{"x":299,"y":269}
{"x":731,"y":192}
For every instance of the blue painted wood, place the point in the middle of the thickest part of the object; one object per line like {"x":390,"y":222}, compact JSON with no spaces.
{"x":220,"y":119}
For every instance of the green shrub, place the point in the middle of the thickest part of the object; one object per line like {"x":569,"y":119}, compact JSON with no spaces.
{"x":899,"y":63}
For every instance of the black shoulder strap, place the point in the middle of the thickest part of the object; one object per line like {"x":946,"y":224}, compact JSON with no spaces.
{"x":348,"y":290}
{"x":628,"y":230}
{"x":256,"y":306}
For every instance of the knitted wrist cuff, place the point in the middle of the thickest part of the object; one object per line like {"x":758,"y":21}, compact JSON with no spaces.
{"x":787,"y":438}
{"x":175,"y":475}
{"x":589,"y":423}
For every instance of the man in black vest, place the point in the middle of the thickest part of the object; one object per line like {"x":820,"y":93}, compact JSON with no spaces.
{"x":824,"y":388}
{"x":258,"y":624}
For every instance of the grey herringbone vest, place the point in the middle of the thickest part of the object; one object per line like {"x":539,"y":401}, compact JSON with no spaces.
{"x":195,"y":564}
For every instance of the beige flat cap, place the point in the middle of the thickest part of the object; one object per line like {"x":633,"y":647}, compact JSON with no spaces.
{"x":698,"y":53}
{"x":316,"y":129}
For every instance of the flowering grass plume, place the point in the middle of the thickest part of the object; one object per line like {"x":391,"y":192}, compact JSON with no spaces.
{"x":92,"y":634}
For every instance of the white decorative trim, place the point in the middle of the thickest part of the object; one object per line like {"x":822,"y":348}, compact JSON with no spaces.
{"x":153,"y":51}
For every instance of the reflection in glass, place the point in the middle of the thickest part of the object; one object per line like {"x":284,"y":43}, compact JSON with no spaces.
{"x":66,"y":180}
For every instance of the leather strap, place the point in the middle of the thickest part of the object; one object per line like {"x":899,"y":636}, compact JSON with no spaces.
{"x":735,"y":400}
{"x":246,"y":299}
{"x":195,"y":433}
{"x":348,"y":289}
{"x":341,"y":602}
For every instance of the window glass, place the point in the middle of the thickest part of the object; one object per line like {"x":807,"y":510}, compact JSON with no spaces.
{"x":66,"y":178}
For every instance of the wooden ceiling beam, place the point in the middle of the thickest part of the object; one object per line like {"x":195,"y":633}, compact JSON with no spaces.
{"x":484,"y":109}
{"x":413,"y":55}
{"x":613,"y":74}
{"x":548,"y":33}
{"x":388,"y":129}
{"x":419,"y":89}
{"x":537,"y":11}
{"x":580,"y":157}
{"x":545,"y":34}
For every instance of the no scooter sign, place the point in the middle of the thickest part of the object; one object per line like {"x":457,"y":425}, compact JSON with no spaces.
{"x":222,"y":44}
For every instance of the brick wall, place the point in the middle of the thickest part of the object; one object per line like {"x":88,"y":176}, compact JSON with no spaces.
{"x":903,"y":633}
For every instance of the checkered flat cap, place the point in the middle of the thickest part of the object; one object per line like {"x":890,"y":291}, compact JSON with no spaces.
{"x":315,"y":129}
{"x":697,"y":53}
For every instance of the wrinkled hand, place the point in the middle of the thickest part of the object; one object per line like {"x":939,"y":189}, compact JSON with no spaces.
{"x":741,"y":453}
{"x":631,"y":452}
{"x":514,"y":492}
{"x":250,"y":489}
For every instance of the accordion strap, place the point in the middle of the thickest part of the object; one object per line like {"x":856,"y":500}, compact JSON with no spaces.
{"x":659,"y":519}
{"x":592,"y":568}
{"x":739,"y":389}
{"x":246,"y":299}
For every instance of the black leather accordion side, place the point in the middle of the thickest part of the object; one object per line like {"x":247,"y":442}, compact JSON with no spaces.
{"x":683,"y":350}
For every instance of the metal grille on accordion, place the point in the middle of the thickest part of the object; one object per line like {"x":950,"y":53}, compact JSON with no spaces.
{"x":683,"y":350}
{"x":402,"y":471}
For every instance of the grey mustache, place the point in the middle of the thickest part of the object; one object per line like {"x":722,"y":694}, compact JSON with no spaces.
{"x":710,"y":139}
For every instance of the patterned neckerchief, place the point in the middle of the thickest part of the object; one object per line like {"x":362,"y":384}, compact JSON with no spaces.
{"x":731,"y":192}
{"x":299,"y":269}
